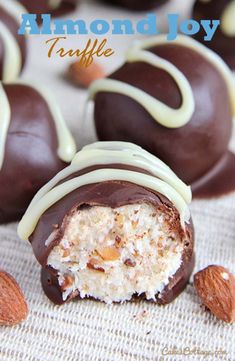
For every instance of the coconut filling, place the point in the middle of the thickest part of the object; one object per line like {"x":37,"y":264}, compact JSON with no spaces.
{"x":113,"y":254}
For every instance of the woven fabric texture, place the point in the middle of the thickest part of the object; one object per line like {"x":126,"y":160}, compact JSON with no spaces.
{"x":92,"y":331}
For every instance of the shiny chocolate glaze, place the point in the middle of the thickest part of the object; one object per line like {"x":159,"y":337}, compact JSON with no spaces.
{"x":137,"y":5}
{"x":31,"y":151}
{"x":110,"y":194}
{"x":13,"y":26}
{"x":192,"y":150}
{"x":221,"y":43}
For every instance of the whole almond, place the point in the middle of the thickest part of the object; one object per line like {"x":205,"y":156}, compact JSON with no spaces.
{"x":215,"y":285}
{"x":84,"y":76}
{"x":13,"y":307}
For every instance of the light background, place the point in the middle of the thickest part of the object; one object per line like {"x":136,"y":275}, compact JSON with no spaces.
{"x":92,"y":331}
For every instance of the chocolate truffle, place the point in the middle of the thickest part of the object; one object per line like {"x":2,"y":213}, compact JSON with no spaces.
{"x":12,"y":45}
{"x":54,"y":7}
{"x":176,"y":100}
{"x":223,"y":41}
{"x":34,"y":145}
{"x":113,"y":226}
{"x":137,"y":5}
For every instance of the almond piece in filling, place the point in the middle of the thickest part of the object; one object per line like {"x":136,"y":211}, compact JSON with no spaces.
{"x":112,"y":254}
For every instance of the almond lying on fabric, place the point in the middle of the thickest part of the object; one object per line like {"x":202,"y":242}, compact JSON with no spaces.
{"x":13,"y":307}
{"x":215,"y":286}
{"x":84,"y":76}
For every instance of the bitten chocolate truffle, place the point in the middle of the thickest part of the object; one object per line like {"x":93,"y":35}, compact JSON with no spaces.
{"x":223,"y":41}
{"x":54,"y":7}
{"x":34,"y":145}
{"x":113,"y":226}
{"x":12,"y":45}
{"x":137,"y":5}
{"x":176,"y":100}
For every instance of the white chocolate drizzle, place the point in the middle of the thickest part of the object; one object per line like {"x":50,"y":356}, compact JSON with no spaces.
{"x":5,"y":116}
{"x":66,"y":144}
{"x":12,"y":55}
{"x":161,"y":113}
{"x":14,"y":8}
{"x":12,"y":60}
{"x":228,"y":20}
{"x":54,"y":4}
{"x":161,"y":179}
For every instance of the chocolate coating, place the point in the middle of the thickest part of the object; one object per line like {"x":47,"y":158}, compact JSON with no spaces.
{"x":137,"y":5}
{"x":13,"y":26}
{"x":31,"y":151}
{"x":192,"y":150}
{"x":221,"y":43}
{"x":43,"y":7}
{"x":111,"y":194}
{"x":219,"y":180}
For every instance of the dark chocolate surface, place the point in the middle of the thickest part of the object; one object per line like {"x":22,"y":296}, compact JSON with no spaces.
{"x":50,"y":285}
{"x":111,"y":194}
{"x":192,"y":150}
{"x":137,"y":5}
{"x":221,"y":43}
{"x":30,"y":154}
{"x":219,"y":180}
{"x":13,"y":26}
{"x":42,"y":7}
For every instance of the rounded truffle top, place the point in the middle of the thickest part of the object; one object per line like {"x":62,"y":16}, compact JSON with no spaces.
{"x":66,"y":144}
{"x":175,"y":99}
